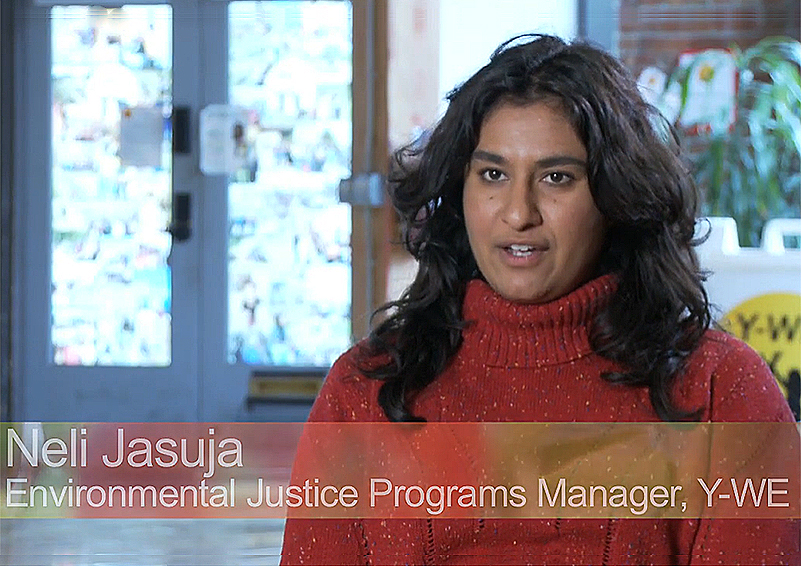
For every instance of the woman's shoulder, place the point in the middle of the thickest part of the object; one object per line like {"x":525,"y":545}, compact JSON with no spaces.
{"x":717,"y":344}
{"x":347,"y":394}
{"x":732,"y":381}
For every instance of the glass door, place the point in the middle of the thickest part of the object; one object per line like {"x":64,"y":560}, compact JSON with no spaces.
{"x":289,"y":236}
{"x":106,"y":314}
{"x":149,"y":290}
{"x":111,"y":186}
{"x":282,"y":266}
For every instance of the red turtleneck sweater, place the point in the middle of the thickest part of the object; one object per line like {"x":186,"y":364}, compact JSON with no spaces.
{"x":534,"y":363}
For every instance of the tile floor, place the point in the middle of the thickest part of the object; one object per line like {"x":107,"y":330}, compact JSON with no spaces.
{"x":140,"y":542}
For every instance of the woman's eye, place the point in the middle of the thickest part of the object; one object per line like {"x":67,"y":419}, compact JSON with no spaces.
{"x":492,"y":175}
{"x":557,"y":178}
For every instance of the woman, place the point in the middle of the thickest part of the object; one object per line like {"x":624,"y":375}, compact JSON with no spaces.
{"x":553,"y":223}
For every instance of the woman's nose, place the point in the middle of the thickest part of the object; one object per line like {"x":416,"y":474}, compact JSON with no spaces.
{"x":521,"y":210}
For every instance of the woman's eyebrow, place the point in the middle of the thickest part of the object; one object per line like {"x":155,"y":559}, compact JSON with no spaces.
{"x":491,"y":157}
{"x":552,"y":161}
{"x":562,"y":160}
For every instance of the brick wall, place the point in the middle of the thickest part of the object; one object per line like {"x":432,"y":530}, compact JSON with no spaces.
{"x":654,"y":32}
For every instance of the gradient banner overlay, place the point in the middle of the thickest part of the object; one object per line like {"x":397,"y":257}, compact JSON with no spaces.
{"x":382,"y":470}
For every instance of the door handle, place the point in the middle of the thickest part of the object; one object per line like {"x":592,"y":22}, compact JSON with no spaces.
{"x":181,"y":225}
{"x":180,"y":130}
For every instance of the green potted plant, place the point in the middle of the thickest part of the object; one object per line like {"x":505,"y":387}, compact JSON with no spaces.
{"x":745,"y":162}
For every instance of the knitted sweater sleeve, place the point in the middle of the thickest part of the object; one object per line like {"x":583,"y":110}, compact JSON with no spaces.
{"x":744,"y":389}
{"x":327,"y":541}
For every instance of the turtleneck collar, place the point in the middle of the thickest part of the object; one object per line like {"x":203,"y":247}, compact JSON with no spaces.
{"x":507,"y":334}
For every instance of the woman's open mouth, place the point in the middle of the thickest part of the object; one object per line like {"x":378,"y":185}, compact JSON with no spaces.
{"x":519,"y":250}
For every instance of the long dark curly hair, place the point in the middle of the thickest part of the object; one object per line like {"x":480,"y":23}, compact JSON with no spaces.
{"x":639,"y":183}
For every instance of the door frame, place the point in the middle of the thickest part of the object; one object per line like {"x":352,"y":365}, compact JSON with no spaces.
{"x":7,"y":219}
{"x":200,"y":384}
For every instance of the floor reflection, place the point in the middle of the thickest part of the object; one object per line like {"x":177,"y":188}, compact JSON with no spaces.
{"x":140,"y":542}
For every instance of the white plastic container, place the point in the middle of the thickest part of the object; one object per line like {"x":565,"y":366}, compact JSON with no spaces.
{"x":757,"y":292}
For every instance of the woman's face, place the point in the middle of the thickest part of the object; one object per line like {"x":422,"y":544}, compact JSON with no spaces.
{"x":531,"y":221}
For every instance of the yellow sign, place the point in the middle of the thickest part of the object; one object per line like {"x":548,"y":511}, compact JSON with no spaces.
{"x":771,"y":325}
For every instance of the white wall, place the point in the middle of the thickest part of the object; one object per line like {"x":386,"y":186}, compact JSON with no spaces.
{"x":413,"y":82}
{"x":470,"y":30}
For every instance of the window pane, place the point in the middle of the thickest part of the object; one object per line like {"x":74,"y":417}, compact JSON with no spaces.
{"x":289,"y":267}
{"x":111,"y":82}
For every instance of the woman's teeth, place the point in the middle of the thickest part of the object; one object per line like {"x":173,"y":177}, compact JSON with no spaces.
{"x":520,"y":250}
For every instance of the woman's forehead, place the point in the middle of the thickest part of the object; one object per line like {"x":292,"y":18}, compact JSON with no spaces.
{"x":536,"y":123}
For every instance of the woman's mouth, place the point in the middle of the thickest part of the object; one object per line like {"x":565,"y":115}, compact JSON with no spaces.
{"x":520,"y":250}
